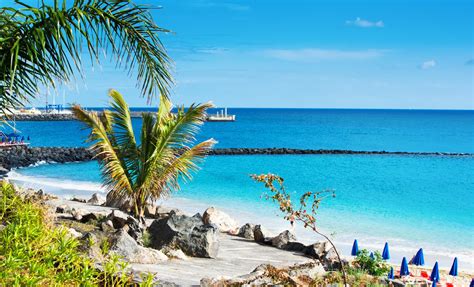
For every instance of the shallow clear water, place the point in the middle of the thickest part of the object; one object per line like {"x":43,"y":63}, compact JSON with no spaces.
{"x":410,"y":201}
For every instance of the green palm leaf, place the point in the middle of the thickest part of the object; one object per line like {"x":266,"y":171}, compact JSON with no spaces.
{"x":43,"y":45}
{"x":152,"y":168}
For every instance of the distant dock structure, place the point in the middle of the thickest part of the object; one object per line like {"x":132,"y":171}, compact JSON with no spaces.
{"x":221,"y":116}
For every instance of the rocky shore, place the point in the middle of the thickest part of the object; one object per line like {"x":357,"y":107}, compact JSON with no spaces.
{"x":22,"y":156}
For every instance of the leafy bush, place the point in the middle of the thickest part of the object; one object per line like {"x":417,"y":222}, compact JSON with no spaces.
{"x":374,"y":266}
{"x":33,"y":252}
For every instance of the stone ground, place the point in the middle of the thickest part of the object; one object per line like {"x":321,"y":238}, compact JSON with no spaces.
{"x":237,"y":256}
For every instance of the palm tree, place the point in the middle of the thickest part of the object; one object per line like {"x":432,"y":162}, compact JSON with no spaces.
{"x":146,"y":169}
{"x":40,"y":46}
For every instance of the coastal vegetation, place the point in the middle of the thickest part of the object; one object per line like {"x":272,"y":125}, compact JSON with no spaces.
{"x":43,"y":46}
{"x":35,"y":252}
{"x":147,"y":167}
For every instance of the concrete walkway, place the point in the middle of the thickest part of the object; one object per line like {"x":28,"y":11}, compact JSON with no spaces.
{"x":237,"y":256}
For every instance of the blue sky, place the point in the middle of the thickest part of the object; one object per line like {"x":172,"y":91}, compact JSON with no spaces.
{"x":317,"y":54}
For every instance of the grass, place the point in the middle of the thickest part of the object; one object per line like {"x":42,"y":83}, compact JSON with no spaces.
{"x":34,"y":252}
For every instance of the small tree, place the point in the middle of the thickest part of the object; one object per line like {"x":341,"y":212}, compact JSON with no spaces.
{"x":312,"y":200}
{"x":148,"y":166}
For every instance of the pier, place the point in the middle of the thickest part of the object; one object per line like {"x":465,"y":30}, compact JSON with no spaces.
{"x":220,"y":116}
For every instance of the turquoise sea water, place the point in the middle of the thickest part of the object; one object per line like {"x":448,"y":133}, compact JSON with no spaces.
{"x":410,"y":201}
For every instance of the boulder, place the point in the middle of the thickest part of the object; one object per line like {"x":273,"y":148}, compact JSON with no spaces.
{"x":163,"y":211}
{"x":326,"y":254}
{"x":312,"y":270}
{"x":96,"y":199}
{"x":135,"y":229}
{"x":122,"y":203}
{"x":76,"y":199}
{"x":64,"y":208}
{"x":125,"y":246}
{"x":318,"y":250}
{"x":74,"y":233}
{"x":222,"y":220}
{"x":189,"y":234}
{"x":282,"y":239}
{"x":77,"y":214}
{"x":246,"y":231}
{"x":175,"y":253}
{"x":118,"y":218}
{"x":262,"y":235}
{"x":89,"y":217}
{"x":150,"y":211}
{"x":107,"y":226}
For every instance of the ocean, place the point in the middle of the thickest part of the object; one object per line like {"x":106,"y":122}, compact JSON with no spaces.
{"x":407,"y":201}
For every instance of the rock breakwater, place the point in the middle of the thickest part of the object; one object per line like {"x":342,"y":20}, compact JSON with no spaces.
{"x":15,"y":157}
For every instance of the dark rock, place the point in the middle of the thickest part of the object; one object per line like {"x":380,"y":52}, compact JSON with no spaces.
{"x":246,"y":231}
{"x":63,"y":209}
{"x":282,"y":239}
{"x":262,"y":235}
{"x":81,"y":200}
{"x":89,"y":217}
{"x":135,"y":229}
{"x":295,"y":247}
{"x":118,"y":218}
{"x":150,"y":211}
{"x":189,"y":234}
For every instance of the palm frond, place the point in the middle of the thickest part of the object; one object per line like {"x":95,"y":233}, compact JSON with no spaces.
{"x":182,"y":166}
{"x":114,"y":170}
{"x":41,"y":45}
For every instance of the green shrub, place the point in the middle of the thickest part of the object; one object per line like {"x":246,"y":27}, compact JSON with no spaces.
{"x":374,"y":266}
{"x":33,"y":252}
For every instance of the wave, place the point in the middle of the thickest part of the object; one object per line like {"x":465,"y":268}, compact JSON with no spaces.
{"x":55,"y":183}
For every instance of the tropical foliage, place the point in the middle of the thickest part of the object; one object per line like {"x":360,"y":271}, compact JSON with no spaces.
{"x":44,"y":45}
{"x":34,"y":252}
{"x":373,"y":265}
{"x":146,"y":168}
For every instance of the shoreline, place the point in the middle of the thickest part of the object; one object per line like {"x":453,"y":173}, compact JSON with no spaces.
{"x":399,"y":247}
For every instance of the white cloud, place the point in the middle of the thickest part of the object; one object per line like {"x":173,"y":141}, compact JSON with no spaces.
{"x":365,"y":23}
{"x":428,"y":64}
{"x":313,"y":54}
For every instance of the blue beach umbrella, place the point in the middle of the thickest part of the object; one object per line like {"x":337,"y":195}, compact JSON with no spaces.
{"x":404,"y":268}
{"x":390,"y":274}
{"x":386,"y":252}
{"x":372,"y":256}
{"x":419,"y":259}
{"x":435,"y":273}
{"x":355,"y":248}
{"x":454,"y":268}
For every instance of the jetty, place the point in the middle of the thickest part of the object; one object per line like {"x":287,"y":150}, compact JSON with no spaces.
{"x":220,"y":116}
